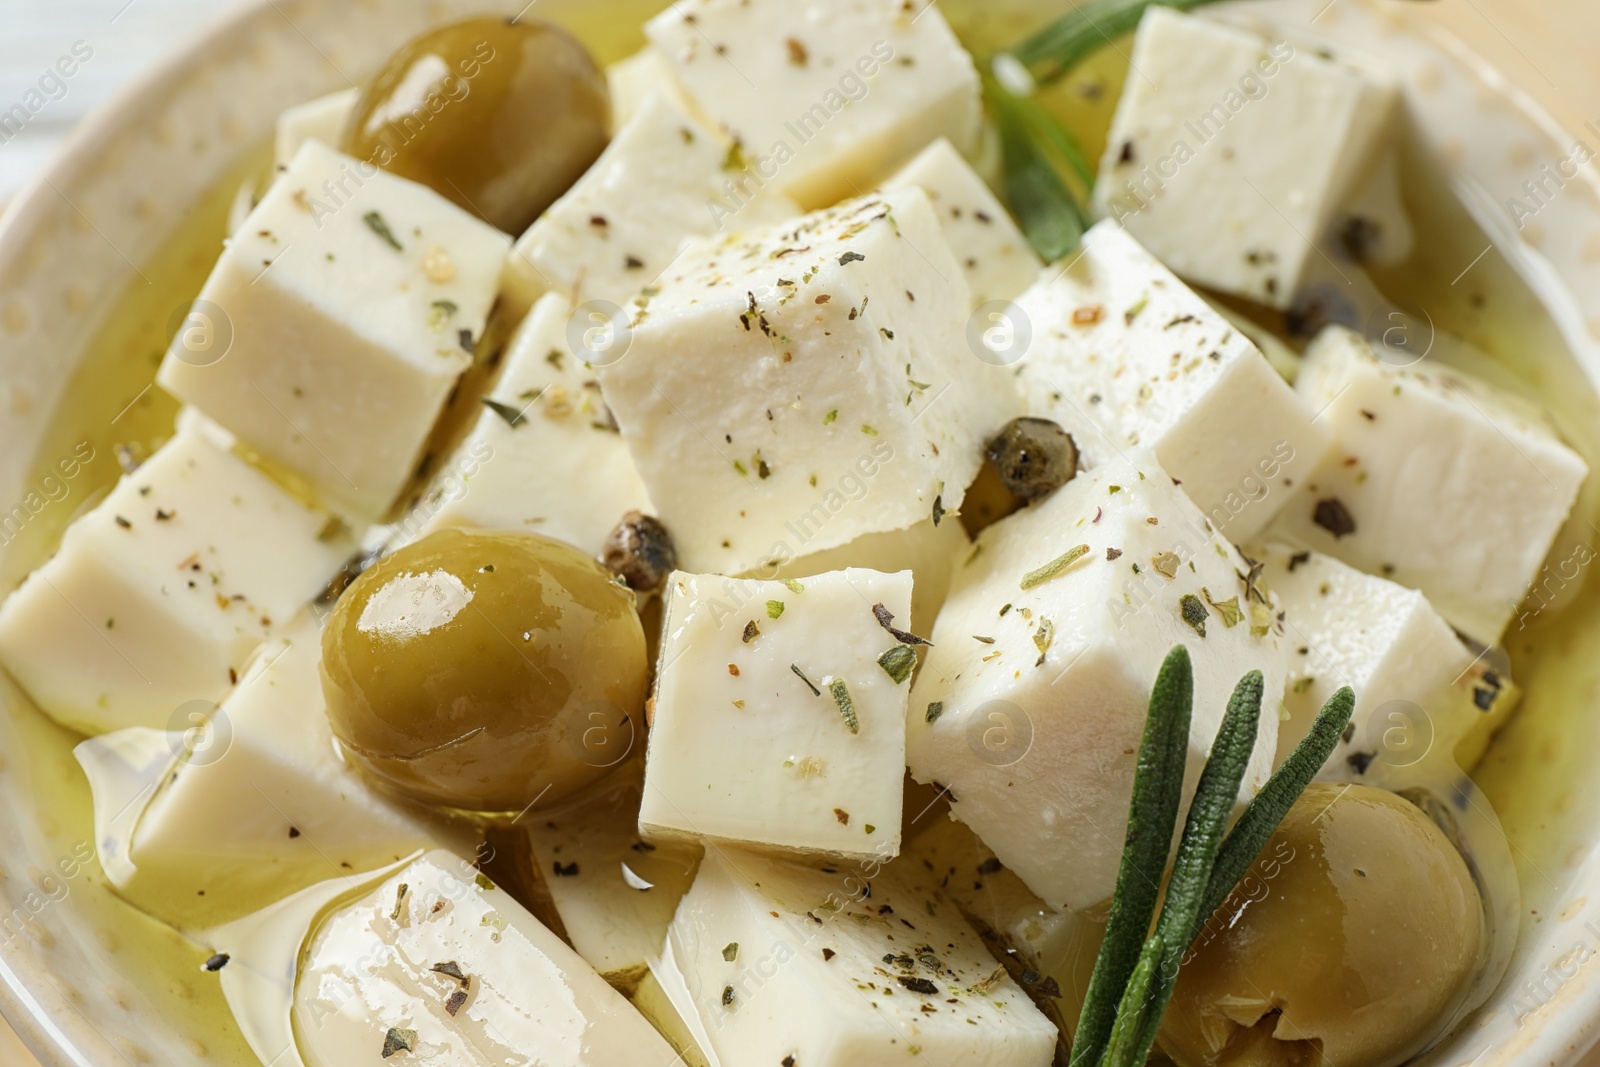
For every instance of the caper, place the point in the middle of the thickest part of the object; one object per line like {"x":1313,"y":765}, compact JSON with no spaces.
{"x":499,"y":117}
{"x":1351,"y":941}
{"x":1034,"y":457}
{"x":475,"y":671}
{"x":640,"y":549}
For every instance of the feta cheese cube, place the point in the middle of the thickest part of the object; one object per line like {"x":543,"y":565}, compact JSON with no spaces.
{"x":997,"y":260}
{"x":321,"y":119}
{"x":1435,"y":480}
{"x":1031,"y":704}
{"x":1411,"y":674}
{"x":1232,"y":153}
{"x":430,"y":959}
{"x":809,"y":689}
{"x":614,"y":891}
{"x":775,"y":379}
{"x":256,"y":802}
{"x":661,"y":179}
{"x":828,"y":101}
{"x":929,"y":550}
{"x":1121,"y":344}
{"x":635,"y":79}
{"x":160,"y":593}
{"x":544,"y":432}
{"x":342,"y":314}
{"x":788,"y":964}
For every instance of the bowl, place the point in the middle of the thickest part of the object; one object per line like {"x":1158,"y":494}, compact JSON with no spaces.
{"x":108,"y":244}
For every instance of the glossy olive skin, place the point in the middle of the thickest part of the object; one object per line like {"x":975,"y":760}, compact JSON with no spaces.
{"x":499,"y":117}
{"x":1359,"y":922}
{"x":474,"y":671}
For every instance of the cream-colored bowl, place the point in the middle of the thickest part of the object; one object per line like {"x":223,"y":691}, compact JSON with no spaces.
{"x":87,"y":981}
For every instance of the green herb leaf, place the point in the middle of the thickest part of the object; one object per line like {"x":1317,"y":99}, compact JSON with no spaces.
{"x":1134,"y":1010}
{"x":935,"y":709}
{"x":774,"y":608}
{"x":847,"y":707}
{"x":898,"y":662}
{"x":376,"y":224}
{"x":1194,"y":613}
{"x":398,"y":1040}
{"x":1152,"y":815}
{"x":1267,"y":809}
{"x":1045,"y":208}
{"x":1052,"y":51}
{"x":513,"y":416}
{"x":730,"y":951}
{"x":1056,"y":566}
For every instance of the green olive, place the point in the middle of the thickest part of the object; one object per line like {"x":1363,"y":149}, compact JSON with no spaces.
{"x":475,"y":671}
{"x":500,"y":117}
{"x":1351,"y":941}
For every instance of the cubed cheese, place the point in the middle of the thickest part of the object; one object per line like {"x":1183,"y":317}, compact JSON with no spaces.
{"x":1435,"y":480}
{"x":1121,"y":343}
{"x":1031,"y":704}
{"x":544,"y":431}
{"x":1230,"y":154}
{"x":1412,"y":676}
{"x":321,"y":119}
{"x":255,"y":802}
{"x":772,"y":376}
{"x":615,"y":892}
{"x":826,"y":101}
{"x":342,"y":314}
{"x":779,"y":713}
{"x":635,"y":79}
{"x":929,"y":550}
{"x":661,"y":179}
{"x":997,"y":260}
{"x":161,"y":592}
{"x":430,"y":962}
{"x":830,"y":969}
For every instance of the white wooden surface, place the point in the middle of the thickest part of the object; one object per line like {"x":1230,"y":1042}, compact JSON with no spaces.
{"x":1546,"y":48}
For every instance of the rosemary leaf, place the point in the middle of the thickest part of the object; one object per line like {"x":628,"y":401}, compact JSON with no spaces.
{"x":1197,"y":852}
{"x":1040,"y":575}
{"x":1044,"y":207}
{"x":1267,"y":809}
{"x":1055,"y":49}
{"x":1133,"y":1015}
{"x":1152,"y":815}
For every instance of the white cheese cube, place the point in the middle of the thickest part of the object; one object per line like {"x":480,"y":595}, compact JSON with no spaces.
{"x":159,"y":594}
{"x":321,"y":119}
{"x":635,"y":79}
{"x":780,"y":713}
{"x":660,"y":180}
{"x":929,"y":550}
{"x":1031,"y":704}
{"x":1231,"y":155}
{"x":341,"y":315}
{"x":544,"y":456}
{"x":997,"y":260}
{"x":615,"y":892}
{"x":787,"y":964}
{"x":993,"y":899}
{"x":772,"y":376}
{"x":1435,"y":480}
{"x":1119,"y":341}
{"x":825,"y":100}
{"x":256,"y":802}
{"x":1410,"y":672}
{"x":430,"y":963}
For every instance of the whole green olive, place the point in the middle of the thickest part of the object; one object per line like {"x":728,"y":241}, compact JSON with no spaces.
{"x":500,"y":117}
{"x":475,"y":671}
{"x":1350,"y":941}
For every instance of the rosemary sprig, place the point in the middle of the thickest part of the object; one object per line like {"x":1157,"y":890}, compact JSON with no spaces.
{"x":1133,"y":983}
{"x":1056,"y":48}
{"x":1046,"y":210}
{"x":1157,"y":792}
